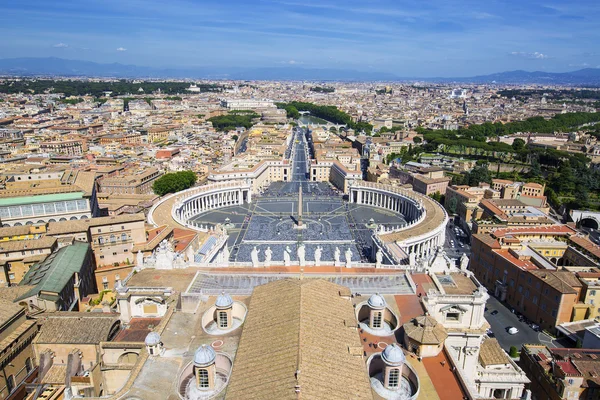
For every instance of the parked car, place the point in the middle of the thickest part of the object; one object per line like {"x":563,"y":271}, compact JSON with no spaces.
{"x":512,"y":330}
{"x":535,"y":327}
{"x":494,"y":312}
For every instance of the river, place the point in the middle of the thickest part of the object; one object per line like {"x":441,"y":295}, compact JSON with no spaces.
{"x":309,"y":119}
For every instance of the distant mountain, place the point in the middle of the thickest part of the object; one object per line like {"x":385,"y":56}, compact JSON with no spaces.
{"x":587,"y":76}
{"x":52,"y":66}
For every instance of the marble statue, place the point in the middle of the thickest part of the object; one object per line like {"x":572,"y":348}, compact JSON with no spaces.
{"x":378,"y":258}
{"x":464,"y":262}
{"x":318,"y":256}
{"x":286,"y":256}
{"x":268,"y":255}
{"x":254,"y":256}
{"x":348,"y":255}
{"x":302,"y":255}
{"x":164,"y":256}
{"x":336,"y":256}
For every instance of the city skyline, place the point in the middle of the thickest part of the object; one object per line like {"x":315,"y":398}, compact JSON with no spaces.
{"x":439,"y":39}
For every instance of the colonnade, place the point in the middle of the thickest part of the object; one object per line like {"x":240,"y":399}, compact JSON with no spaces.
{"x":409,"y":208}
{"x":422,"y":244}
{"x":198,"y":200}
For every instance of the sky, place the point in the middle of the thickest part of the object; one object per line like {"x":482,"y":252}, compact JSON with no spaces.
{"x":441,"y":38}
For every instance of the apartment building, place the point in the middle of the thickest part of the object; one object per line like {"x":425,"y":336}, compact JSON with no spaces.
{"x":562,"y":373}
{"x":64,"y":147}
{"x":16,"y":353}
{"x":430,"y":180}
{"x":521,"y":266}
{"x":17,"y":257}
{"x":138,"y":181}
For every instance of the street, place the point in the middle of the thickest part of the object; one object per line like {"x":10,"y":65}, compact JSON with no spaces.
{"x":503,"y":319}
{"x":455,"y":251}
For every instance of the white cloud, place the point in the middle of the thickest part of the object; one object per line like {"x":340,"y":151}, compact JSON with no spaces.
{"x":121,"y":49}
{"x":535,"y":55}
{"x":579,"y":65}
{"x":291,"y":62}
{"x":61,"y":45}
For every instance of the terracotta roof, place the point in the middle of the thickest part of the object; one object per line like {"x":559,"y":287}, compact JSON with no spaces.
{"x":490,"y":353}
{"x":553,"y":229}
{"x":587,"y":245}
{"x":9,"y":311}
{"x":76,"y":328}
{"x":425,"y":330}
{"x":82,"y":225}
{"x":22,"y":245}
{"x":300,"y":334}
{"x":561,"y":281}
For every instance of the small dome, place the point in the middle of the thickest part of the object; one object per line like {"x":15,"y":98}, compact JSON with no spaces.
{"x":152,"y":339}
{"x":393,"y":355}
{"x":224,"y":301}
{"x":204,"y":356}
{"x":376,"y":301}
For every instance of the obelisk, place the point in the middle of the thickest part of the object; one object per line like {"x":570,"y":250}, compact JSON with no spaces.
{"x":300,"y":207}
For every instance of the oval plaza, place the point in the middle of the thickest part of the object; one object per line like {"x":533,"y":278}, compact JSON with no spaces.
{"x":264,"y":217}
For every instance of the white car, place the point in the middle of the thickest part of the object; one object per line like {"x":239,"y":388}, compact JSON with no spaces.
{"x":512,"y":330}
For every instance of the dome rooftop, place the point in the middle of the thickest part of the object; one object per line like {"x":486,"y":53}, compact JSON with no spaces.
{"x":393,"y":355}
{"x":204,"y":356}
{"x":152,"y":339}
{"x":224,"y":301}
{"x":376,"y":301}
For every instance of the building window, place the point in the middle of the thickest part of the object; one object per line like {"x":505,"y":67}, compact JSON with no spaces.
{"x":453,"y":316}
{"x":534,"y":299}
{"x":554,"y":312}
{"x":28,"y":365}
{"x":123,"y":236}
{"x":203,"y":378}
{"x":113,"y":238}
{"x":377,"y":320}
{"x":222,"y":319}
{"x":394,"y":378}
{"x":105,"y":285}
{"x":592,"y":292}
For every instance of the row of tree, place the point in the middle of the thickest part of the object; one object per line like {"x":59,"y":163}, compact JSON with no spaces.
{"x":174,"y":182}
{"x":322,"y":89}
{"x":97,"y":89}
{"x":558,"y":94}
{"x":234,"y":120}
{"x":328,"y":113}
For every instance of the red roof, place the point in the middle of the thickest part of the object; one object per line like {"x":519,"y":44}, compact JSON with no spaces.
{"x":567,"y":367}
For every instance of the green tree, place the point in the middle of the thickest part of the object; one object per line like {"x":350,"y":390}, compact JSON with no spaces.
{"x":174,"y":182}
{"x":514,"y":352}
{"x":452,"y":204}
{"x":478,"y":175}
{"x":518,"y":144}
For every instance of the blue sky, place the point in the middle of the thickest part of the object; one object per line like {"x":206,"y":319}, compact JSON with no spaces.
{"x":407,"y":38}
